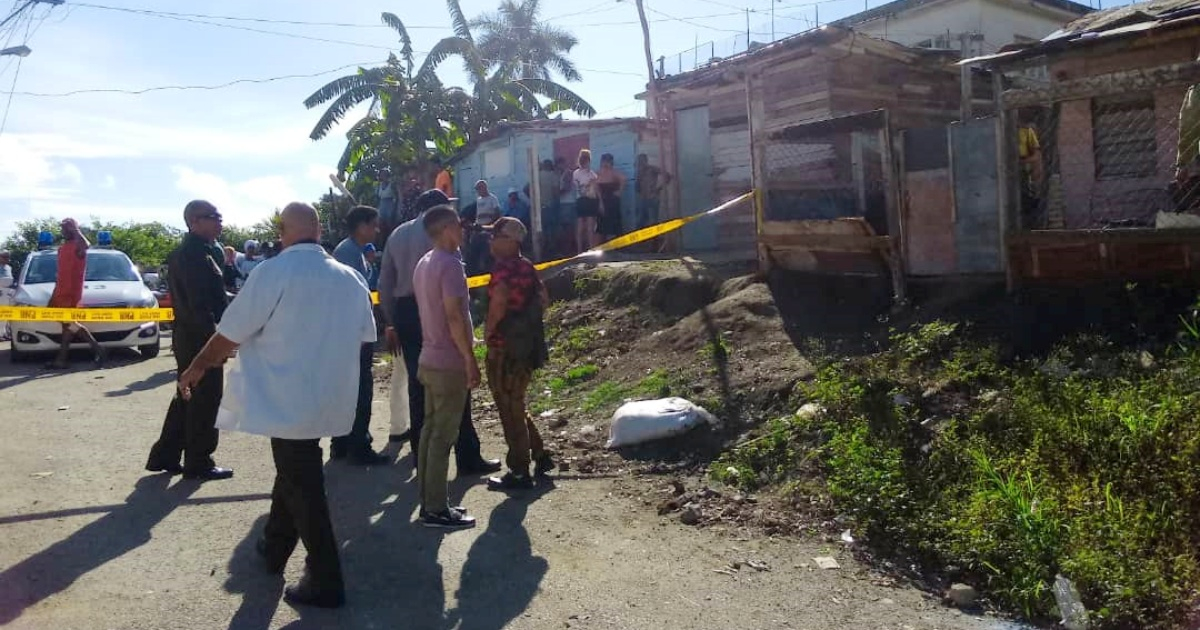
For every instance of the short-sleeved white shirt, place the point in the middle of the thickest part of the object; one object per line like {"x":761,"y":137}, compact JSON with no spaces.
{"x":584,"y":178}
{"x":300,"y":321}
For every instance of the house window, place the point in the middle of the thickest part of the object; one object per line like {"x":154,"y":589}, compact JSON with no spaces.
{"x":1123,"y":137}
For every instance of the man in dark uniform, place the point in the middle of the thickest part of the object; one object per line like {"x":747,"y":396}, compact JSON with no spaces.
{"x":196,"y":280}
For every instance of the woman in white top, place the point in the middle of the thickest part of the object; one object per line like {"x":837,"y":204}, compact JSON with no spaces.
{"x":587,"y":203}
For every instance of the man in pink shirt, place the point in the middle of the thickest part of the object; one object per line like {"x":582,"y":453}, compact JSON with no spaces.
{"x":447,"y":366}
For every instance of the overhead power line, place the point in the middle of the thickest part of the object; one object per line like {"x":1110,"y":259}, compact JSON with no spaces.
{"x":200,"y":17}
{"x":163,"y":88}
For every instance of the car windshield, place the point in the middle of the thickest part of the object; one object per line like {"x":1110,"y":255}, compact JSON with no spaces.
{"x":100,"y":268}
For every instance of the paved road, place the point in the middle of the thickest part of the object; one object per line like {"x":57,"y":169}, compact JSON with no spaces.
{"x":88,"y":540}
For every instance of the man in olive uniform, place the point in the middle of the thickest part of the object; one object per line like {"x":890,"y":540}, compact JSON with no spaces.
{"x":197,"y":283}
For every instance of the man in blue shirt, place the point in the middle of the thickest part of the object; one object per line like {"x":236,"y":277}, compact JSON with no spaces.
{"x":362,"y":222}
{"x":517,"y":208}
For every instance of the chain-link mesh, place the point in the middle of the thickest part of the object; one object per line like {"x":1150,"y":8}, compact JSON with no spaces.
{"x":1109,"y":161}
{"x":839,"y":175}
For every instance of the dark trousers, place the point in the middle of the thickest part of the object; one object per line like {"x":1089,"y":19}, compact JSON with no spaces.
{"x":299,"y":512}
{"x":408,"y":329}
{"x":359,"y":438}
{"x":189,"y":430}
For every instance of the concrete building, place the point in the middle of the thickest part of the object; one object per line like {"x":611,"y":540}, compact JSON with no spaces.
{"x":970,"y":27}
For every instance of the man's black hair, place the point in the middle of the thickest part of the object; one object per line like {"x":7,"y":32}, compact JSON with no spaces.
{"x":360,"y":215}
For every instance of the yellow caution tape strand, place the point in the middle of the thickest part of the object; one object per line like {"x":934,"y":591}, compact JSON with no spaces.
{"x":137,"y":315}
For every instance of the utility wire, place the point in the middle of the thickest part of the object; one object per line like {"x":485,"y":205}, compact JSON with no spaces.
{"x":161,"y":88}
{"x":200,"y":17}
{"x":688,"y":21}
{"x":11,"y":88}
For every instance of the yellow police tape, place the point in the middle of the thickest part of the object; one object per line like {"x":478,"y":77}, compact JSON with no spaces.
{"x":135,"y":315}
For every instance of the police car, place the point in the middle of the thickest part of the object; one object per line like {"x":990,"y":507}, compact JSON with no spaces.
{"x":111,"y":281}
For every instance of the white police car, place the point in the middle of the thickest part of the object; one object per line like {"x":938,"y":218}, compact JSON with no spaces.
{"x":110,"y":281}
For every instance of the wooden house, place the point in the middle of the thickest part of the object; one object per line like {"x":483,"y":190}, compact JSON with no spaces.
{"x":826,"y":73}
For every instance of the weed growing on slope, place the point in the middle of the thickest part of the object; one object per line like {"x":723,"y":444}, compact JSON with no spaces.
{"x":1083,"y":464}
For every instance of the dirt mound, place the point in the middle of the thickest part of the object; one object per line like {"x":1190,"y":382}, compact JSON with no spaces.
{"x":747,"y":315}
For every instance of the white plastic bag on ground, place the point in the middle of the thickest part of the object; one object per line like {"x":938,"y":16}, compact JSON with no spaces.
{"x":399,"y":396}
{"x":648,"y":420}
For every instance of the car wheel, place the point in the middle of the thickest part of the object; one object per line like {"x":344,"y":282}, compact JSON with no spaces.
{"x":149,"y":351}
{"x":14,"y":355}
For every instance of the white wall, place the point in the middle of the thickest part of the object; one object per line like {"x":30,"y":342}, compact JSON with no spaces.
{"x":999,"y":21}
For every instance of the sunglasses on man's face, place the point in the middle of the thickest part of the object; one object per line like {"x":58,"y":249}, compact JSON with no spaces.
{"x":210,"y":217}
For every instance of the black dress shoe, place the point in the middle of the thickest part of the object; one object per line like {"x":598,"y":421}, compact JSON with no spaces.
{"x":274,"y":565}
{"x":368,"y":458}
{"x":156,"y":467}
{"x":481,"y":467}
{"x":400,"y":437}
{"x":305,"y":594}
{"x":211,"y":474}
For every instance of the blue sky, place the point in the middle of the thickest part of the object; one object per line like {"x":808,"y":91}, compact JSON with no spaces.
{"x":126,"y":157}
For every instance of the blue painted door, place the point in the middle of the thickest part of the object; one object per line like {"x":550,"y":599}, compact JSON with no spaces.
{"x":695,"y":172}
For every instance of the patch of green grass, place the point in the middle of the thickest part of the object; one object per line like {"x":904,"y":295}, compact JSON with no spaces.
{"x":578,"y":341}
{"x":715,"y":352}
{"x":656,"y":384}
{"x":572,"y":377}
{"x":606,"y":396}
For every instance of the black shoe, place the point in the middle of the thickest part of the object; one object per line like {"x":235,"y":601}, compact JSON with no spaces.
{"x":368,"y":458}
{"x":510,"y":482}
{"x":274,"y":566}
{"x":400,"y":437}
{"x":543,"y":465}
{"x":481,"y":467}
{"x":173,"y":469}
{"x":305,"y":594}
{"x":450,"y":519}
{"x":211,"y":474}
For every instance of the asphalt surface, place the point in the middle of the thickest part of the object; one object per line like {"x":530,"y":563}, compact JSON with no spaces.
{"x":90,"y":540}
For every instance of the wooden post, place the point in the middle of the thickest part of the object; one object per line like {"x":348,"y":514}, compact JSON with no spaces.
{"x":895,"y":221}
{"x":756,"y":115}
{"x":1004,"y":197}
{"x":966,"y":92}
{"x":535,"y":197}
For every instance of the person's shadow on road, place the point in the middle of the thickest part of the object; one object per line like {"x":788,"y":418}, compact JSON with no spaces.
{"x":390,"y":563}
{"x":124,"y":529}
{"x":501,"y":575}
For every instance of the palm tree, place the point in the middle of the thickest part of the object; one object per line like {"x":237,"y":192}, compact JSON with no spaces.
{"x":513,"y":41}
{"x":410,"y":107}
{"x":505,"y":93}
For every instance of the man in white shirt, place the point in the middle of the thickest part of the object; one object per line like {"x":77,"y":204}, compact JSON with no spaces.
{"x":6,"y":282}
{"x":250,"y":259}
{"x":295,"y":387}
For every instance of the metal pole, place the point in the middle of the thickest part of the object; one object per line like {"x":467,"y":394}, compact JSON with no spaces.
{"x":772,"y":22}
{"x":747,"y":29}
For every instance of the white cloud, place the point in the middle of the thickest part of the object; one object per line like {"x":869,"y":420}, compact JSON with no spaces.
{"x":109,"y":183}
{"x":242,"y":203}
{"x":28,"y":171}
